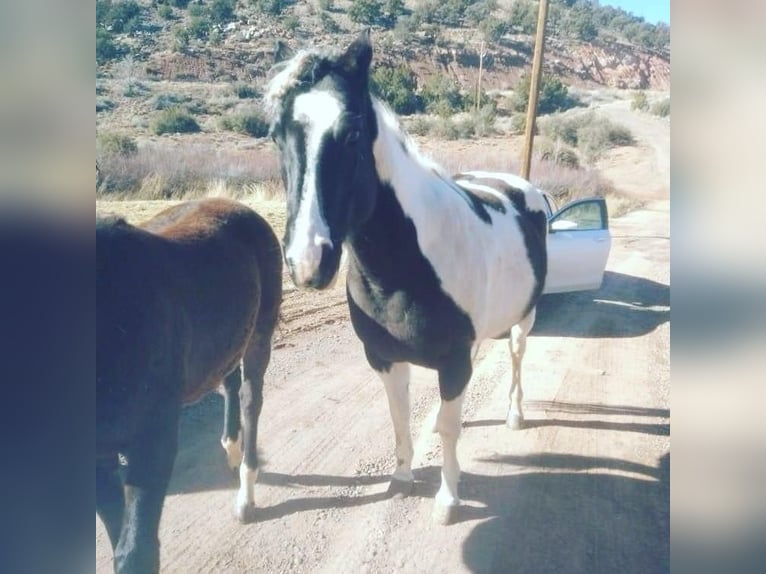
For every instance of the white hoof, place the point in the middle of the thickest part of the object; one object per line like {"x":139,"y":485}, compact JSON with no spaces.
{"x":514,"y":421}
{"x":246,"y":513}
{"x":444,"y":515}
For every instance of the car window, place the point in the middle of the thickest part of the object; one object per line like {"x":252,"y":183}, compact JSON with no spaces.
{"x":581,"y":216}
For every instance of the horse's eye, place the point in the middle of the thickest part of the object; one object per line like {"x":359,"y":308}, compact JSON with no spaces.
{"x":352,"y":137}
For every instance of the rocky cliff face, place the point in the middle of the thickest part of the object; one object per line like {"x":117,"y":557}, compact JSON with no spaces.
{"x":249,"y":56}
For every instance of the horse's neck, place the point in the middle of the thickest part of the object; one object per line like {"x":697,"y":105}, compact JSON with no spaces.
{"x":416,"y":182}
{"x":409,"y":187}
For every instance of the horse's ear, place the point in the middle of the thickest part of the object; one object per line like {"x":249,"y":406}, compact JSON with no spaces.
{"x":357,"y":57}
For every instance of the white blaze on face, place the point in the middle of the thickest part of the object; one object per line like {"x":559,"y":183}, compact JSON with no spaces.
{"x":318,"y":112}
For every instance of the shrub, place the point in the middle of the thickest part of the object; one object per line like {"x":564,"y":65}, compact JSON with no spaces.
{"x":196,"y":11}
{"x":396,"y":86}
{"x":329,"y":24}
{"x":524,"y":16}
{"x":181,"y":37}
{"x":590,"y":133}
{"x":557,"y":153}
{"x":519,"y":125}
{"x":441,"y":95}
{"x":662,"y":108}
{"x":272,"y":7}
{"x":477,"y":13}
{"x":492,"y":29}
{"x":419,"y":126}
{"x":165,"y":12}
{"x":250,"y":123}
{"x":221,"y":11}
{"x":366,"y":11}
{"x":554,"y":95}
{"x":245,"y":91}
{"x":104,"y":105}
{"x":291,"y":22}
{"x":445,"y":128}
{"x":484,"y":120}
{"x":175,"y":121}
{"x":199,"y":27}
{"x":326,"y":5}
{"x":116,"y":144}
{"x":120,"y":17}
{"x":639,"y":102}
{"x":165,"y":101}
{"x":106,"y":48}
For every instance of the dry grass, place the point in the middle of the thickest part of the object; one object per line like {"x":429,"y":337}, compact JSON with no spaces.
{"x":158,"y":171}
{"x":161,"y":171}
{"x":564,"y":183}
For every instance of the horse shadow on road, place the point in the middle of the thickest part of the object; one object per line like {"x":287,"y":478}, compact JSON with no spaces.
{"x":200,"y":464}
{"x":555,"y":409}
{"x":563,"y":513}
{"x":624,"y":306}
{"x":560,"y":519}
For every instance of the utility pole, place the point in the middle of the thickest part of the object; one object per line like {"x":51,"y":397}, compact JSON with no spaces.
{"x":534,"y":87}
{"x":482,"y":53}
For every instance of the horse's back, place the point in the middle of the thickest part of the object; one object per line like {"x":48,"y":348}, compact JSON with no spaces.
{"x":499,"y":230}
{"x":179,"y":297}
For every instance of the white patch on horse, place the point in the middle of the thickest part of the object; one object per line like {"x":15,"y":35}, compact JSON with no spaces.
{"x":233,"y":450}
{"x":318,"y":112}
{"x":247,"y":478}
{"x":494,"y":279}
{"x":283,"y":82}
{"x":397,"y":383}
{"x":534,"y":199}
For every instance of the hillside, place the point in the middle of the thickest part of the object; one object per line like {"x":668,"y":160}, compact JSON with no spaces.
{"x":224,"y":40}
{"x":200,"y":67}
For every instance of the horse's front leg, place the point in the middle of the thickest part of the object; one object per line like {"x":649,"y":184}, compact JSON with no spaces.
{"x":150,"y":463}
{"x":110,"y":498}
{"x":254,"y":366}
{"x":397,"y":382}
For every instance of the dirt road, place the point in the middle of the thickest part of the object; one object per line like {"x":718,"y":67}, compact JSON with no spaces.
{"x":585,"y":488}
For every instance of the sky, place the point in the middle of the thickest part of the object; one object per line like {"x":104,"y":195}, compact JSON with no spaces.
{"x":652,"y":11}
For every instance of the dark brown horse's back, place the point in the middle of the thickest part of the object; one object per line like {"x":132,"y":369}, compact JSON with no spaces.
{"x":191,"y":285}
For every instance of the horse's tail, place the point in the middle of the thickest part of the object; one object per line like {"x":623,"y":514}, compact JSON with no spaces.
{"x":270,"y":266}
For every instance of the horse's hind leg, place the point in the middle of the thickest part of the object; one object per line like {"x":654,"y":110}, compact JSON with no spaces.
{"x":453,"y":379}
{"x":231,"y":441}
{"x":255,"y":362}
{"x":518,"y":344}
{"x":150,"y":463}
{"x":110,"y":498}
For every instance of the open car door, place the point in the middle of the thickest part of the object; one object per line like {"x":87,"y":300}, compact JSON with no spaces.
{"x":578,"y":246}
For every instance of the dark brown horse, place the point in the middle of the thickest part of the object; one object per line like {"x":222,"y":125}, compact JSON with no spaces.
{"x":185,"y":302}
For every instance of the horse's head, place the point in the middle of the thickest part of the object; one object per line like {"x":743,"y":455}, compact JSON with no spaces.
{"x":323,"y":122}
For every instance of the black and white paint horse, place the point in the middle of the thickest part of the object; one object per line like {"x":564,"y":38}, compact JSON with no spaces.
{"x":436,"y":264}
{"x":185,"y":302}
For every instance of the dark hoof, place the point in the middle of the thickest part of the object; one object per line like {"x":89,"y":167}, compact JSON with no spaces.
{"x":400,"y":488}
{"x":246,"y":514}
{"x":514,"y":422}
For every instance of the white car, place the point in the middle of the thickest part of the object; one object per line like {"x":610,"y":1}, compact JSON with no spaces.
{"x":578,"y":245}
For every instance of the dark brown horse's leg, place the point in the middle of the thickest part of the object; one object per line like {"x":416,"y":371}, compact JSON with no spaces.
{"x":110,"y":499}
{"x":255,"y":362}
{"x":231,"y":441}
{"x":150,"y":463}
